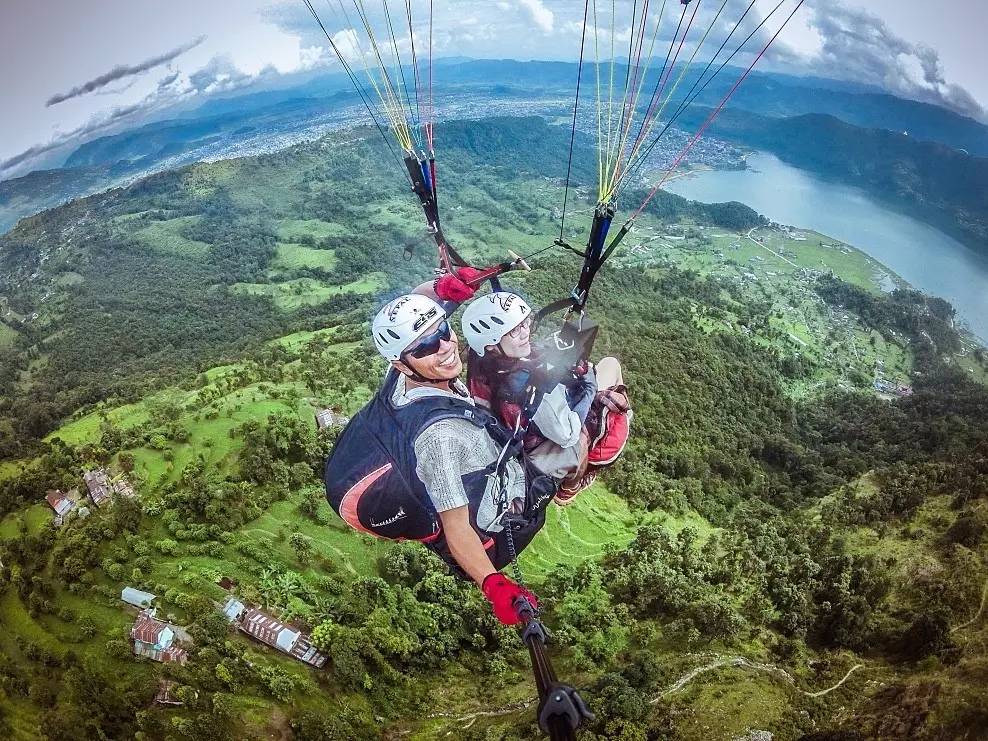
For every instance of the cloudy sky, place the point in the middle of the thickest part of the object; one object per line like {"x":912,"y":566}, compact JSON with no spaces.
{"x":73,"y":69}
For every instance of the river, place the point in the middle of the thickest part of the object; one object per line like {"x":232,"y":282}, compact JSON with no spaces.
{"x":921,"y":254}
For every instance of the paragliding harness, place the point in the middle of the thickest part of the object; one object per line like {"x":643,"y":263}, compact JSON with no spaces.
{"x":422,"y":175}
{"x":371,"y":481}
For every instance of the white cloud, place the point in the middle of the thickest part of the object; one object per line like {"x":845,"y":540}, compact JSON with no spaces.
{"x":854,"y":44}
{"x":541,"y":16}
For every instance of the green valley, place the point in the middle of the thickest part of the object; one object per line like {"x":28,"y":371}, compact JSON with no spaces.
{"x":794,"y":541}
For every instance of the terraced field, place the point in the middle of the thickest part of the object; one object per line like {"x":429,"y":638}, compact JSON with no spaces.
{"x":166,"y":236}
{"x":292,"y":294}
{"x":292,"y":256}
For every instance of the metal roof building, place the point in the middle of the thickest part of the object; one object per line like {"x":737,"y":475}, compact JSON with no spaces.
{"x":136,"y":597}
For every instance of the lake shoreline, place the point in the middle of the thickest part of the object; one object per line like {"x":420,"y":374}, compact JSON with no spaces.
{"x":898,"y":242}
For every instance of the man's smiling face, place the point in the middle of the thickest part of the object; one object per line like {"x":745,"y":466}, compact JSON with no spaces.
{"x":442,"y":365}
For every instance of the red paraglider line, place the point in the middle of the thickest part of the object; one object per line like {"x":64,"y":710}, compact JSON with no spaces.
{"x":711,"y":117}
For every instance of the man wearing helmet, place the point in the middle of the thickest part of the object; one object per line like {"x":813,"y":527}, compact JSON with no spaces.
{"x":490,"y":503}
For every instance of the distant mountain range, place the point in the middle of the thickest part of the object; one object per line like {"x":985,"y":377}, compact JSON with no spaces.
{"x":784,"y":114}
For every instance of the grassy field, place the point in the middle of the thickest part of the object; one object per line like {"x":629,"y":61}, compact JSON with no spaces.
{"x":7,"y":336}
{"x":9,"y":469}
{"x":86,"y":427}
{"x":290,"y":229}
{"x":292,"y":294}
{"x":210,"y":438}
{"x":34,"y":519}
{"x":165,"y":236}
{"x":293,"y":256}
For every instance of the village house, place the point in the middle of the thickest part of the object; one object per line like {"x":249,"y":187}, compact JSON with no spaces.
{"x":59,"y":502}
{"x":63,"y":503}
{"x":271,"y":632}
{"x":98,"y":484}
{"x":155,"y":639}
{"x":101,"y":487}
{"x":328,"y":418}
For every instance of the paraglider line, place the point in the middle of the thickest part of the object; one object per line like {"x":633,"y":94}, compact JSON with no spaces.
{"x":356,"y":84}
{"x":572,"y":136}
{"x":713,"y":115}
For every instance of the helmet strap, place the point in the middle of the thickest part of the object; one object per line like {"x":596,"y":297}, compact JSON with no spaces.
{"x":408,"y":372}
{"x":423,"y":379}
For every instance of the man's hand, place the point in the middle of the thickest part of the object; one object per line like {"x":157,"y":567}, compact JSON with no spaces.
{"x":502,"y":592}
{"x":453,"y":286}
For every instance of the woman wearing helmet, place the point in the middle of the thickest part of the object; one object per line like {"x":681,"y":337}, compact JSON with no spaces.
{"x":573,"y":428}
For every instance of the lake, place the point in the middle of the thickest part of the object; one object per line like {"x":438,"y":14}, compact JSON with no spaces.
{"x":921,"y":254}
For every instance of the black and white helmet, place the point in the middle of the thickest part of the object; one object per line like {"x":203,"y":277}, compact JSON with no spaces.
{"x":402,"y":321}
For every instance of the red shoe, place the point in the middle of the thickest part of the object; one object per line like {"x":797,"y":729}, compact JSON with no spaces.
{"x":612,"y":435}
{"x":567,"y":492}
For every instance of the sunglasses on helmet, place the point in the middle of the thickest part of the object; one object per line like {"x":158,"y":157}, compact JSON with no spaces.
{"x":429,"y":344}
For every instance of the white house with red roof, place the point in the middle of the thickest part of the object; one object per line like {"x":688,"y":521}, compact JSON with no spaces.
{"x":267,"y":630}
{"x":59,"y":501}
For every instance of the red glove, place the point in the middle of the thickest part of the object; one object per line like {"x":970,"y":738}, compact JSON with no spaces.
{"x":502,"y":592}
{"x":453,"y":286}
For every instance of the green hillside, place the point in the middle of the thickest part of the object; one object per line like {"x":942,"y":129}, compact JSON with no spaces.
{"x":792,"y":543}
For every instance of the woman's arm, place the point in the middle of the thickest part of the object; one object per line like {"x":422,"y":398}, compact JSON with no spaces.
{"x":560,"y":415}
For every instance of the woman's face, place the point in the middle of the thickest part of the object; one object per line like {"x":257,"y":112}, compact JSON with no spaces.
{"x":517,"y":343}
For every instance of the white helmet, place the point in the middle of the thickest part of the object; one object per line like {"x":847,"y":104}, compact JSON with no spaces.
{"x":489,"y":318}
{"x":402,"y":321}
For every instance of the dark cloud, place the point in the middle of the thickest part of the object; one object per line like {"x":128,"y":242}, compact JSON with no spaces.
{"x":124,"y":70}
{"x":219,"y":75}
{"x":169,"y":79}
{"x":15,"y":165}
{"x":859,"y":46}
{"x":28,"y":154}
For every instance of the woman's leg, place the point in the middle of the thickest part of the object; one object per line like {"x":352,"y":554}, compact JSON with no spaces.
{"x":574,"y":483}
{"x":608,"y":371}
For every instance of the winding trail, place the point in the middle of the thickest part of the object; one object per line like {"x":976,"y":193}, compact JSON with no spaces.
{"x":821,"y":693}
{"x":472,"y":717}
{"x":718,"y":662}
{"x":972,"y":621}
{"x":742,"y":662}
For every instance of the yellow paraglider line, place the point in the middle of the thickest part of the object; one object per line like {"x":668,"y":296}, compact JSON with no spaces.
{"x":612,"y":186}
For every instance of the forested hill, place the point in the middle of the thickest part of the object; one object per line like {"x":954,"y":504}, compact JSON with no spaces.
{"x":763,"y":93}
{"x":931,"y":181}
{"x":152,"y":278}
